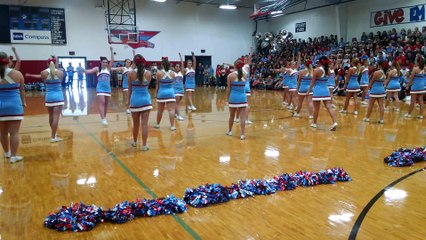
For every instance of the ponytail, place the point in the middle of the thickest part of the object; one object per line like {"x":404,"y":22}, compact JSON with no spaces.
{"x":398,"y":68}
{"x":4,"y":60}
{"x":140,"y":66}
{"x":240,"y":74}
{"x":166,"y":64}
{"x":52,"y":70}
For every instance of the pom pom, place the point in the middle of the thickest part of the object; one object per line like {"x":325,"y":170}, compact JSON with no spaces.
{"x":121,"y":213}
{"x":78,"y":217}
{"x":404,"y":157}
{"x":206,"y":195}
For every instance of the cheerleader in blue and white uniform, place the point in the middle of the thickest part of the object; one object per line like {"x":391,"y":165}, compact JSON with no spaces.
{"x":417,"y":87}
{"x":332,"y":82}
{"x":377,"y":91}
{"x":139,"y":99}
{"x":12,"y":103}
{"x":237,"y":98}
{"x":393,"y":85}
{"x":321,"y":92}
{"x":54,"y":98}
{"x":364,"y":81}
{"x":285,"y":87}
{"x":125,"y":71}
{"x":103,"y":88}
{"x":165,"y":93}
{"x":189,"y":74}
{"x":246,"y":70}
{"x":179,"y":90}
{"x":352,"y":86}
{"x":304,"y":81}
{"x":292,"y":85}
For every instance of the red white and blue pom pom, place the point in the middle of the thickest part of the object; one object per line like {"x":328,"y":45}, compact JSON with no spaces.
{"x":206,"y":195}
{"x":81,"y":217}
{"x":404,"y":157}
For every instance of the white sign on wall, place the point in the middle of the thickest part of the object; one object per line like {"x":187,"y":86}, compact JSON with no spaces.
{"x":400,"y":15}
{"x":30,"y":36}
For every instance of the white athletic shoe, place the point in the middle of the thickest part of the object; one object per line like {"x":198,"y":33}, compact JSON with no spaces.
{"x":311,"y":117}
{"x":333,"y":127}
{"x":7,"y":154}
{"x":237,"y":120}
{"x":229,"y":133}
{"x":55,"y":139}
{"x":189,"y":108}
{"x":14,"y":159}
{"x":366,"y":119}
{"x":180,"y":118}
{"x":355,"y":112}
{"x":242,"y":137}
{"x":364,"y":103}
{"x":128,"y":111}
{"x":420,"y":117}
{"x":104,"y":122}
{"x":145,"y":148}
{"x":313,"y":125}
{"x":386,"y":109}
{"x":248,"y":122}
{"x":343,"y":111}
{"x":134,"y":144}
{"x":157,"y":126}
{"x":381,"y":122}
{"x":397,"y":110}
{"x":297,"y":115}
{"x":407,"y":115}
{"x":172,"y":128}
{"x":193,"y":108}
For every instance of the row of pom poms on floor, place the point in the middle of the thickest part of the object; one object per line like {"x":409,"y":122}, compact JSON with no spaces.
{"x":80,"y":217}
{"x":405,"y":157}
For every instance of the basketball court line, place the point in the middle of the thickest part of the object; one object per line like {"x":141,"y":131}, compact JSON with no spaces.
{"x":370,"y":204}
{"x":179,"y":220}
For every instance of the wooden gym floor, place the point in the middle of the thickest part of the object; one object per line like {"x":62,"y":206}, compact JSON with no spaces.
{"x":97,"y":165}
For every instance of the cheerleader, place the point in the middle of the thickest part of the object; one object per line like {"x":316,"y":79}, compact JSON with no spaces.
{"x":417,"y":85}
{"x":12,"y":103}
{"x":320,"y":91}
{"x":246,"y":70}
{"x":352,"y":86}
{"x":125,"y":71}
{"x":304,"y":81}
{"x":165,"y":93}
{"x":285,"y":87}
{"x":189,"y":74}
{"x":103,"y":88}
{"x":139,"y":100}
{"x":54,"y":98}
{"x":393,"y":86}
{"x":237,"y":98}
{"x":292,"y":84}
{"x":364,"y":83}
{"x":179,"y":90}
{"x":332,"y":82}
{"x":377,"y":91}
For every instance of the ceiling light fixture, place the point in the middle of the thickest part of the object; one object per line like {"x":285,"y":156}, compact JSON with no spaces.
{"x":278,"y":15}
{"x":276,"y":12}
{"x":227,"y":6}
{"x":159,"y":0}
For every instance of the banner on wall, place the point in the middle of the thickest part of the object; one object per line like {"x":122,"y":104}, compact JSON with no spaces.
{"x":301,"y":27}
{"x":37,"y":25}
{"x":402,"y":15}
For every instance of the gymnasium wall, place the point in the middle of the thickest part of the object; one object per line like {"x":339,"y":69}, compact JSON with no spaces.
{"x":184,"y":27}
{"x":346,"y":20}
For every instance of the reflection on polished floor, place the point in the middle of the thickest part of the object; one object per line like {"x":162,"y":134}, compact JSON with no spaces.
{"x":97,"y":165}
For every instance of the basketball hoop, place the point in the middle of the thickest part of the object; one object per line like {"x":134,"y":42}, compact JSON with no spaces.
{"x":123,"y":35}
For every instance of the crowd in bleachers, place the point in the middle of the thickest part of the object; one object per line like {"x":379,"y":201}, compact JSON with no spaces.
{"x":377,"y":47}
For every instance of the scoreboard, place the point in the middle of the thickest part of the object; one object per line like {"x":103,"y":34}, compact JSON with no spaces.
{"x":33,"y":25}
